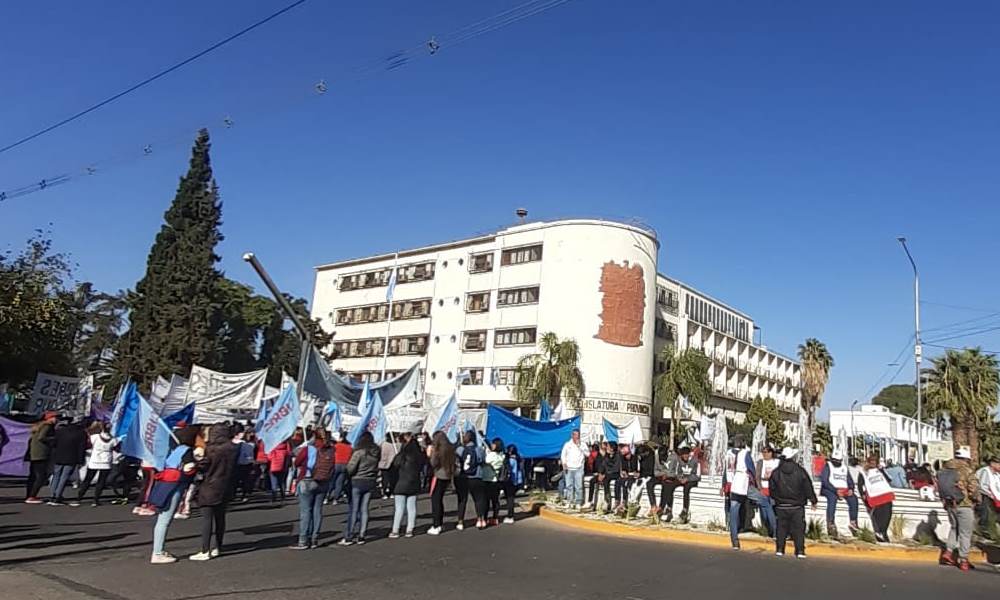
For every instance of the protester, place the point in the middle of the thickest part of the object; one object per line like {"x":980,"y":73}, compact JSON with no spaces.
{"x":315,"y":465}
{"x":611,"y":471}
{"x":681,"y":470}
{"x":758,"y":485}
{"x":989,"y":492}
{"x":573,"y":459}
{"x":737,"y":478}
{"x":790,"y":488}
{"x":515,"y":479}
{"x":471,"y":459}
{"x":442,"y":460}
{"x":170,"y":486}
{"x":873,"y":485}
{"x":408,"y":465}
{"x":648,"y":465}
{"x":216,"y":489}
{"x":244,"y":440}
{"x":278,"y":461}
{"x":387,"y":475}
{"x":69,"y":449}
{"x":598,"y":474}
{"x":39,"y":451}
{"x":98,"y":463}
{"x":262,"y":468}
{"x":836,"y":483}
{"x":896,"y":474}
{"x":341,"y":484}
{"x":959,"y":491}
{"x":494,"y":471}
{"x":363,"y":471}
{"x":630,"y":471}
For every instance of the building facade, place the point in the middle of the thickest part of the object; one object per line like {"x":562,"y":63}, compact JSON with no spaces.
{"x":472,"y":308}
{"x":894,"y":436}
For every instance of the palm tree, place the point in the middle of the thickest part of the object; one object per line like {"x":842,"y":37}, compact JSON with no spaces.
{"x":685,"y":373}
{"x":551,"y":374}
{"x":963,"y":386}
{"x":816,"y":364}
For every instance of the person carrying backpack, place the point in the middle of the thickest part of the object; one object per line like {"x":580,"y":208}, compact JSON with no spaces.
{"x":471,"y":461}
{"x":959,"y":492}
{"x":315,"y":463}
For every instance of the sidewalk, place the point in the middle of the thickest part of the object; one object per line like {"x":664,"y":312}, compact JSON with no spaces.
{"x":640,"y":528}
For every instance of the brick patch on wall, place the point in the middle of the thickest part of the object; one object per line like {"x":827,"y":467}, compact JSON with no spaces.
{"x":623,"y":304}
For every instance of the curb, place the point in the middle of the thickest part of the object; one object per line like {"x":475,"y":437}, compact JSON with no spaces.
{"x":709,"y":540}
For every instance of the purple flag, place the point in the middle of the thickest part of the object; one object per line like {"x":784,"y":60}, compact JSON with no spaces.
{"x":14,"y":438}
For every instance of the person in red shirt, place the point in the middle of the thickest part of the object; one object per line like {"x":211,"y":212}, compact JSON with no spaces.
{"x":342,"y":455}
{"x":278,"y":462}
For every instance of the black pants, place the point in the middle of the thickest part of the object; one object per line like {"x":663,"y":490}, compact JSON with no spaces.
{"x":667,"y":500}
{"x":881,"y":516}
{"x":607,"y":491}
{"x":592,"y":497}
{"x":984,"y":509}
{"x":651,"y":490}
{"x":438,"y":488}
{"x":510,"y":491}
{"x":244,"y":480}
{"x":213,"y":516}
{"x":462,"y":491}
{"x":102,"y":478}
{"x":37,"y":476}
{"x":492,"y":499}
{"x":477,"y":488}
{"x":791,"y":521}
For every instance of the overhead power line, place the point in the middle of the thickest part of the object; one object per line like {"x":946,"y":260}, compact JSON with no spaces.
{"x":152,"y":78}
{"x":323,"y":87}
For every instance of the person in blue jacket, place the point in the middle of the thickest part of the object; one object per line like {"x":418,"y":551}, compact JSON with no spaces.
{"x":836,"y":482}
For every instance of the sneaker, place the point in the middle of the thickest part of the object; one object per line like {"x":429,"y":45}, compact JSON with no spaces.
{"x":182,"y":516}
{"x":299,"y":546}
{"x":74,"y":503}
{"x":668,"y":515}
{"x":460,"y":526}
{"x":409,"y":534}
{"x":685,"y":517}
{"x":802,"y":556}
{"x":434,"y":531}
{"x":393,"y":536}
{"x":346,"y":542}
{"x":508,"y":521}
{"x":736,"y":546}
{"x":325,"y":502}
{"x":965,"y":565}
{"x":360,"y":541}
{"x":94,"y":504}
{"x":494,"y":523}
{"x":779,"y":553}
{"x":33,"y":500}
{"x":162,"y":559}
{"x":54,"y":503}
{"x":214,"y":552}
{"x":946,"y":559}
{"x":201,"y":556}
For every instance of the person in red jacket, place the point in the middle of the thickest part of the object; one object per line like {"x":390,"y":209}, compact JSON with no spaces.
{"x":279,"y":459}
{"x":341,"y":484}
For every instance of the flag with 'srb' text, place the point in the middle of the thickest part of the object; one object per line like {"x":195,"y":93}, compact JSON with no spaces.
{"x":280,"y":420}
{"x":148,"y":437}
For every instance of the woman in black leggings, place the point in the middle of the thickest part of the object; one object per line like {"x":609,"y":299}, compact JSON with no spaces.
{"x":215,"y":492}
{"x":441,"y":457}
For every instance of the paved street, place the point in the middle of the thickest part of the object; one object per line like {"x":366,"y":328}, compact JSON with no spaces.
{"x":85,"y":552}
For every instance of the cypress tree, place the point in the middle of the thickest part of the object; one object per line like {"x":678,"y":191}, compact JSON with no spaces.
{"x":174,"y":310}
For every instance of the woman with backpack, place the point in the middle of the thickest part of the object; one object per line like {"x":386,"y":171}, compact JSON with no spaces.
{"x":471,"y":460}
{"x":315,"y":464}
{"x":441,"y":455}
{"x":513,"y":481}
{"x":494,"y":473}
{"x":407,"y":464}
{"x":363,"y":471}
{"x":216,"y":490}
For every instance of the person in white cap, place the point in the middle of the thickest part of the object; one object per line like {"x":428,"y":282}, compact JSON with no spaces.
{"x":836,"y":482}
{"x":790,"y":488}
{"x":959,"y":492}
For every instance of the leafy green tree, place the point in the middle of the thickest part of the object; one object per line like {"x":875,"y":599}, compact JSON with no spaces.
{"x":35,"y":326}
{"x":766,"y":410}
{"x":822,"y":437}
{"x":962,"y":387}
{"x":551,"y":374}
{"x":684,"y":373}
{"x":816,"y":364}
{"x":174,"y":311}
{"x":899,"y":398}
{"x":97,"y":319}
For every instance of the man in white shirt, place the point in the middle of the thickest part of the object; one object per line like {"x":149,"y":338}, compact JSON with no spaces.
{"x":573,"y":459}
{"x":989,"y":491}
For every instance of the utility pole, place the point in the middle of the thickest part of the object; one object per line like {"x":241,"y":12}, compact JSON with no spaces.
{"x":917,"y":350}
{"x":290,"y":313}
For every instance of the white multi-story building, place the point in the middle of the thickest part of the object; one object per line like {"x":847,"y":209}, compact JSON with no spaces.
{"x":895,"y":436}
{"x":478,"y":305}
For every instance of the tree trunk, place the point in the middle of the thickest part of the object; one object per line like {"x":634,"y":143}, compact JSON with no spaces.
{"x":959,"y":432}
{"x":673,"y":423}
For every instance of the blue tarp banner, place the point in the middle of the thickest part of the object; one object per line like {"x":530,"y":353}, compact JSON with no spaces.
{"x":534,"y":439}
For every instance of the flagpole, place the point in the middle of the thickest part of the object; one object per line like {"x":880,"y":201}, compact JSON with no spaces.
{"x":388,"y":326}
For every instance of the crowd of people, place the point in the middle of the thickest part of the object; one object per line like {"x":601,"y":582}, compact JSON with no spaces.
{"x":217,"y":465}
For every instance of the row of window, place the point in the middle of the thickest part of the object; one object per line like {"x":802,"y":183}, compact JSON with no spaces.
{"x":373,"y":313}
{"x":423,"y":271}
{"x":668,"y":298}
{"x":717,"y":318}
{"x":480,"y":301}
{"x":475,"y":341}
{"x":406,"y":345}
{"x":666,"y":330}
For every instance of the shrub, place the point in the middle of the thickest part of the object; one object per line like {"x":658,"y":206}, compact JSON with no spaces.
{"x":816,"y":530}
{"x":865,"y":534}
{"x":896,"y":527}
{"x":715,"y":525}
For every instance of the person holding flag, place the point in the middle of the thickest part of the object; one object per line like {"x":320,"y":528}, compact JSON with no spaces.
{"x":169,"y":487}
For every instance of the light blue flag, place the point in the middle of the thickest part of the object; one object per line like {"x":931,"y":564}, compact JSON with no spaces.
{"x":336,"y":418}
{"x":391,"y":287}
{"x":544,"y":411}
{"x":373,"y":420}
{"x":261,"y":414}
{"x":280,"y":420}
{"x":125,"y":409}
{"x":147,"y":437}
{"x":448,"y":421}
{"x":366,"y":396}
{"x":480,"y":440}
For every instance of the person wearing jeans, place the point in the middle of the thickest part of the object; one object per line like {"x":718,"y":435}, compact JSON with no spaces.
{"x":60,"y":477}
{"x":163,"y":519}
{"x":407,"y":465}
{"x":573,"y":459}
{"x":313,"y":483}
{"x":363,"y":471}
{"x":69,"y":450}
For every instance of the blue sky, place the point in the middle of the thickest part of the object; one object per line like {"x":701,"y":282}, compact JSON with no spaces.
{"x":777,"y":147}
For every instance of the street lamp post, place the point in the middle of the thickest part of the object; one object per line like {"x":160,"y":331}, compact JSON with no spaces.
{"x":917,"y":349}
